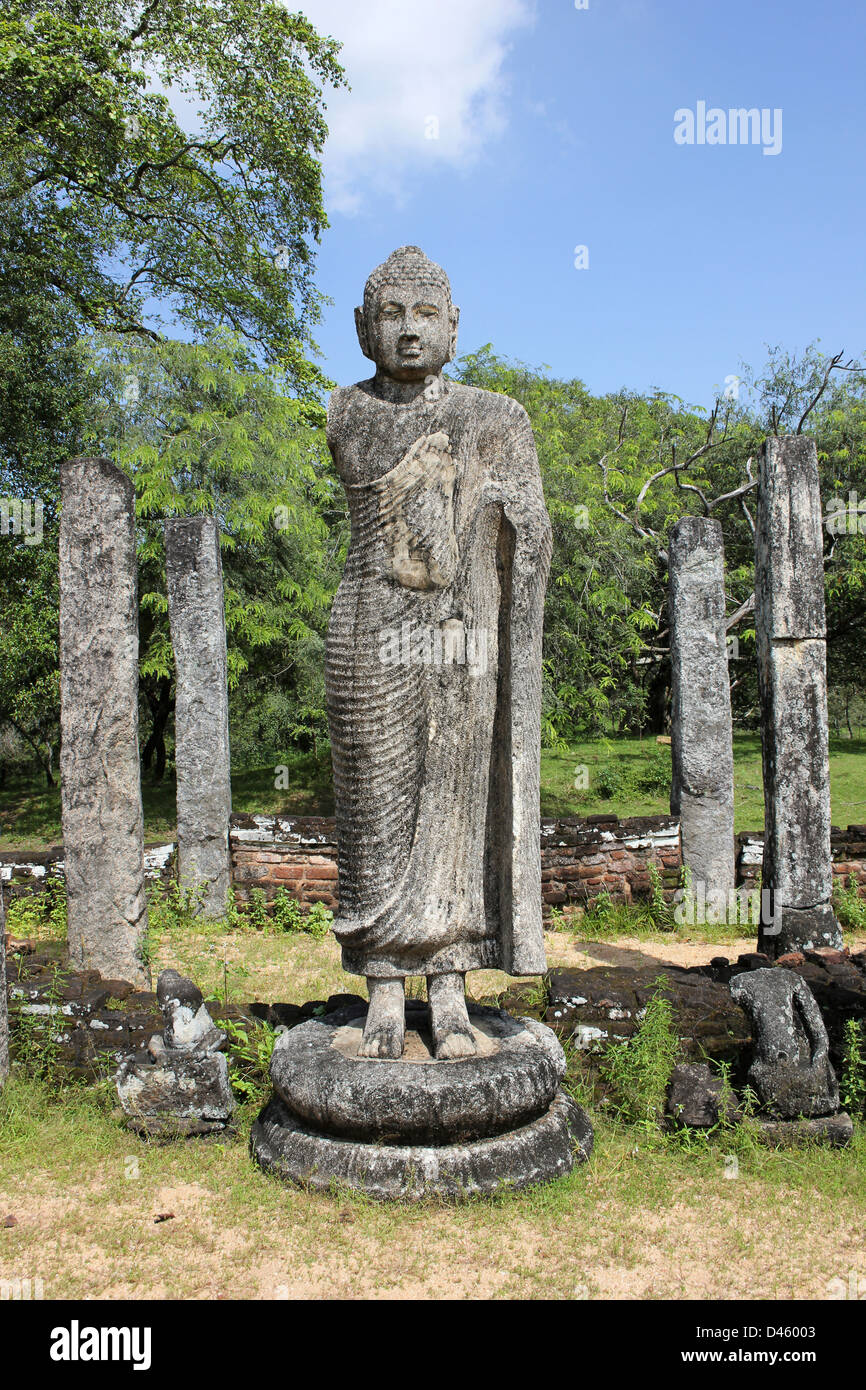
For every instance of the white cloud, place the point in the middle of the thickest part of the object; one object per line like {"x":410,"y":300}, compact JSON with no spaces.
{"x":427,"y":88}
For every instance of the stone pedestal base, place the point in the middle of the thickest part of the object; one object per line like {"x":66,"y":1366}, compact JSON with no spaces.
{"x":419,"y":1127}
{"x":800,"y":929}
{"x":180,"y":1093}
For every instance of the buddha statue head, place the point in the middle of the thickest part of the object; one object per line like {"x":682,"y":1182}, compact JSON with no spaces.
{"x":408,"y":325}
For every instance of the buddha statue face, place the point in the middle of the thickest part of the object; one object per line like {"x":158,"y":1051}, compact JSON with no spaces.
{"x":408,"y":325}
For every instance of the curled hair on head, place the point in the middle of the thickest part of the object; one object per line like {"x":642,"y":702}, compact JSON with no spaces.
{"x":406,"y":263}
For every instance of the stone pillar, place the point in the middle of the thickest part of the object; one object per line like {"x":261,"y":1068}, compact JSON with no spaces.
{"x":792,"y":675}
{"x":103,"y":824}
{"x":201,"y":718}
{"x":4,"y":1003}
{"x":702,"y":785}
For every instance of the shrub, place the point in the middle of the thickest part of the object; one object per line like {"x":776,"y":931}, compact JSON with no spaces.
{"x":612,"y":781}
{"x":250,"y":1049}
{"x":850,"y":907}
{"x":654,"y":777}
{"x":852,"y":1083}
{"x":637,"y":1072}
{"x":41,"y":914}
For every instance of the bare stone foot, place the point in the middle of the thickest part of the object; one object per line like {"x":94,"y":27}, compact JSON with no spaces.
{"x":385,"y":1027}
{"x":449,"y":1020}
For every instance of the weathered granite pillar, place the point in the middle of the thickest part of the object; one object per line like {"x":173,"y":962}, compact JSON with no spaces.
{"x":4,"y":1003}
{"x":103,"y":824}
{"x":702,"y":785}
{"x":201,"y":718}
{"x":791,"y":641}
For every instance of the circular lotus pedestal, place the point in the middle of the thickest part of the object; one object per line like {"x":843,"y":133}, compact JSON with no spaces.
{"x":415,"y":1127}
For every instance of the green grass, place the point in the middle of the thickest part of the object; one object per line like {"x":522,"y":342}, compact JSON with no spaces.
{"x":651,"y":1216}
{"x":30,"y":812}
{"x":632,"y":758}
{"x":625,"y":777}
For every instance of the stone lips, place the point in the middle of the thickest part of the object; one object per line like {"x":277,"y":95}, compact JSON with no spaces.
{"x":391,"y":1101}
{"x":538,"y":1152}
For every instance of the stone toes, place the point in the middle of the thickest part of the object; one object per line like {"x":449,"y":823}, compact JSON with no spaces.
{"x":456,"y":1045}
{"x":382,"y":1044}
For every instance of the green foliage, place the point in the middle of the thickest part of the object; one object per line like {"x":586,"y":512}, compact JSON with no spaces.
{"x":613,"y":496}
{"x":283,"y":914}
{"x":850,"y":908}
{"x":39,"y":914}
{"x":637,"y":1072}
{"x":601,"y":914}
{"x":35,"y":1038}
{"x":658,"y":905}
{"x":112,"y":216}
{"x":654,"y":777}
{"x":619,"y":779}
{"x":557,"y":920}
{"x":250,"y":1049}
{"x":603,"y":917}
{"x":289,"y":916}
{"x":613,"y":781}
{"x":203,"y":428}
{"x":171,"y":909}
{"x":257,"y":910}
{"x":852,"y":1082}
{"x":115,"y":203}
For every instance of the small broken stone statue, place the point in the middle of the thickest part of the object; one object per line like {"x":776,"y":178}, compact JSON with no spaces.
{"x":433,"y":683}
{"x":697,"y":1098}
{"x":790,"y":1071}
{"x":180,"y":1084}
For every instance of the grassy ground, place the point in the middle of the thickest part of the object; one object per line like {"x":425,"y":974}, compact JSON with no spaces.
{"x":625,"y":777}
{"x":641,"y":763}
{"x":648,"y":1217}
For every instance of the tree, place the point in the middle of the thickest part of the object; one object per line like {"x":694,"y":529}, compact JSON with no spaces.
{"x":604,"y":630}
{"x":113,"y":203}
{"x":44,"y":396}
{"x":619,"y":470}
{"x":29,"y":676}
{"x":112,"y":215}
{"x":203,"y":428}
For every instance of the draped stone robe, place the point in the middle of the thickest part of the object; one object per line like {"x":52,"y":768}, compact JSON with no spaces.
{"x":433,"y":677}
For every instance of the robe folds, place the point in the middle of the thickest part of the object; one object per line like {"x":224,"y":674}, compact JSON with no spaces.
{"x":433,"y":680}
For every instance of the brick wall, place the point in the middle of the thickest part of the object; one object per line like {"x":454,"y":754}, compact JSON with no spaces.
{"x":848,"y":848}
{"x":298,"y":854}
{"x":26,"y":871}
{"x":580,"y":858}
{"x":849,"y":855}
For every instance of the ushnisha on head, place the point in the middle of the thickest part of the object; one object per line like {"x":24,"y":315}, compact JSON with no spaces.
{"x":408,"y":325}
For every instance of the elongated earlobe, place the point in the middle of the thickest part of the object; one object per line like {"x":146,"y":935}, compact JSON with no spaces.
{"x":363,"y":338}
{"x":455,"y":319}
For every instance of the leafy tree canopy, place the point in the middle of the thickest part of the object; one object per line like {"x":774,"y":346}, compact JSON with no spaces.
{"x":203,"y":428}
{"x":112,"y":204}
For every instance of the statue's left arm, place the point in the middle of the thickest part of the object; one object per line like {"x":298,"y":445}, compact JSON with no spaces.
{"x":516,"y":485}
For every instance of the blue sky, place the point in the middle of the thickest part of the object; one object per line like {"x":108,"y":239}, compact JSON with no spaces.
{"x":556,"y":129}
